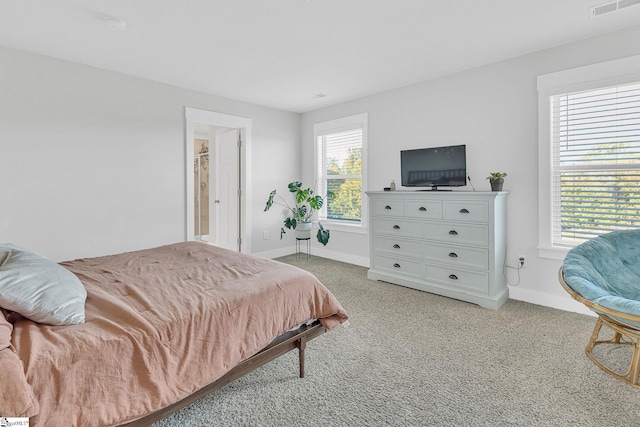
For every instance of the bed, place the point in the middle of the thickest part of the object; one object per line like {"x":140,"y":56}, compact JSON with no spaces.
{"x":161,"y":327}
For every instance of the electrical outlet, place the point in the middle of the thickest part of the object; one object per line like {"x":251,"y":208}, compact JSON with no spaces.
{"x":521,"y":261}
{"x":265,"y":235}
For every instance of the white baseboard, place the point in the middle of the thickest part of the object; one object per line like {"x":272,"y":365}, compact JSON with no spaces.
{"x":341,"y":256}
{"x":277,"y":253}
{"x":321,"y":252}
{"x":553,"y":301}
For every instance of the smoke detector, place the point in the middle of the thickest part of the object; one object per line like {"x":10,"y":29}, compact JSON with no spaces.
{"x":611,"y":7}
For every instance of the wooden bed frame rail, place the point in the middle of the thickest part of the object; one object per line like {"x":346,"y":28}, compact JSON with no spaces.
{"x":283,"y":344}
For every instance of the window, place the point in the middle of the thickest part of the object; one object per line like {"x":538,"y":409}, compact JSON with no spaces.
{"x":592,"y":138}
{"x":596,"y":162}
{"x":340,"y":164}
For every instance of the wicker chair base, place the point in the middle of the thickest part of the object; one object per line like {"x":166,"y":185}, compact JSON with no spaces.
{"x":624,"y":335}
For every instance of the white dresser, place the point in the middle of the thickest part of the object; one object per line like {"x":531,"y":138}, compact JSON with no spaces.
{"x":450,"y":243}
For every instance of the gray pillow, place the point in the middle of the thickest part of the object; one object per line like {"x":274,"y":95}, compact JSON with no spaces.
{"x":39,"y":289}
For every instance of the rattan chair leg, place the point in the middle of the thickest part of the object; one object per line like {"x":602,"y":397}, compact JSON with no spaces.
{"x":617,"y":338}
{"x":635,"y":364}
{"x":594,"y":336}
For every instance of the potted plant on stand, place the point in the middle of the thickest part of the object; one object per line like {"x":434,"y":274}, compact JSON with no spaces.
{"x":496,"y":179}
{"x":306,"y":203}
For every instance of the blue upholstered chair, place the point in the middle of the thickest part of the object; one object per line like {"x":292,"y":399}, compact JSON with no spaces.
{"x":604,"y":274}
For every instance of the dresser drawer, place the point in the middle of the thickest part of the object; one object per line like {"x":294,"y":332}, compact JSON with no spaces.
{"x":457,"y":255}
{"x":466,"y":211}
{"x":457,"y":233}
{"x":399,"y":246}
{"x":399,"y":266}
{"x":459,"y":279}
{"x":399,"y":227}
{"x":388,"y":207}
{"x":423,"y":209}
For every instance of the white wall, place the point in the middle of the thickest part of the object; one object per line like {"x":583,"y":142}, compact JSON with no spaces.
{"x":493,"y":110}
{"x":92,"y":162}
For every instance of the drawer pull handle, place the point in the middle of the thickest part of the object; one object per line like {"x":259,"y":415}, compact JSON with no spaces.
{"x":422,"y":209}
{"x":396,"y":265}
{"x":396,"y":227}
{"x":464,"y":211}
{"x":453,"y":277}
{"x":453,"y":255}
{"x":396,"y":246}
{"x":388,"y":207}
{"x":453,"y":232}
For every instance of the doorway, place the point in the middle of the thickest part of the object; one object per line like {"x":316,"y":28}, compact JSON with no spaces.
{"x":217,"y":148}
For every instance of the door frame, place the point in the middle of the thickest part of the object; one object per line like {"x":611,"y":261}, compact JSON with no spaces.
{"x":244,"y":125}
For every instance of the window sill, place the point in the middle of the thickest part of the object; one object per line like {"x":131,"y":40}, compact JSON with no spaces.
{"x":553,"y":252}
{"x":342,"y":227}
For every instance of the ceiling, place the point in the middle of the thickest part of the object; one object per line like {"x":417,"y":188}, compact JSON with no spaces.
{"x":298,"y":55}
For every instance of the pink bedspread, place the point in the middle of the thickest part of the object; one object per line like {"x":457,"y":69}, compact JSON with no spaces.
{"x":161,"y":324}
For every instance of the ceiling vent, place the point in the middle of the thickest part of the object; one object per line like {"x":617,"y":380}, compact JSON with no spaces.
{"x":613,"y":6}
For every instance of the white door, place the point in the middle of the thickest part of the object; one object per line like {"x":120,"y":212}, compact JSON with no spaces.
{"x":226,"y":200}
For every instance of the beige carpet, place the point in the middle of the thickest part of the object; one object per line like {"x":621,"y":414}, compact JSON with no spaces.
{"x":411,"y":358}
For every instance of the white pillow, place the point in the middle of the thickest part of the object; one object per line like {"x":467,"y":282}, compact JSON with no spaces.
{"x":39,"y":289}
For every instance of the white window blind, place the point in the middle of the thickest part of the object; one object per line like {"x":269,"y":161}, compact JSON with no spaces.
{"x":595,"y":137}
{"x":339,"y":170}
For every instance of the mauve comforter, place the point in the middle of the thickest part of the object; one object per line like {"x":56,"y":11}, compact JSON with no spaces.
{"x":161,"y":324}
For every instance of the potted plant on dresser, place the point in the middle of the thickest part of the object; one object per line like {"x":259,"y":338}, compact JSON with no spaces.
{"x":299,"y":216}
{"x":496,"y":179}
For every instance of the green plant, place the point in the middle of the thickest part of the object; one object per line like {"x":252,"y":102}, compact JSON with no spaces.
{"x":306,"y":203}
{"x":496,"y":175}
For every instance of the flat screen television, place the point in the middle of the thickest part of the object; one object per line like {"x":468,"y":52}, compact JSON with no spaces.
{"x":434,"y":167}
